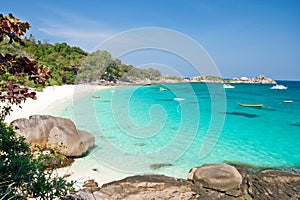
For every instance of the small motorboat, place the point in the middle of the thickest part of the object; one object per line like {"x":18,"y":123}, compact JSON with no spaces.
{"x":288,"y":101}
{"x":251,"y":105}
{"x":228,"y":86}
{"x":278,"y":87}
{"x":96,"y":97}
{"x":162,"y":89}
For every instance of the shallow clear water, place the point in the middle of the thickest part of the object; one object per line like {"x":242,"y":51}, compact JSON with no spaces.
{"x":142,"y":129}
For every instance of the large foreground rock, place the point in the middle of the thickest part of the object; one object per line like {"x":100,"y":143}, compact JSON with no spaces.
{"x":55,"y":131}
{"x":220,"y":177}
{"x":73,"y":142}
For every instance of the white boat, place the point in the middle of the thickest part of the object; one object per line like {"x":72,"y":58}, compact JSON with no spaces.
{"x":178,"y":99}
{"x":278,"y":87}
{"x":228,"y":86}
{"x":251,"y":105}
{"x":288,"y":101}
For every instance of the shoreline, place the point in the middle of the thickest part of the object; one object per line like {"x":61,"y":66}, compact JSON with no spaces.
{"x":48,"y":99}
{"x":50,"y":102}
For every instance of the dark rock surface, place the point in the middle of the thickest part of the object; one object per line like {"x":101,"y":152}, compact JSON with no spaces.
{"x":264,"y":185}
{"x":55,"y":131}
{"x":273,"y":184}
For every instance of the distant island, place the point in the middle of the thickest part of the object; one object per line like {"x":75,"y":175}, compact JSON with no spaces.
{"x":261,"y":79}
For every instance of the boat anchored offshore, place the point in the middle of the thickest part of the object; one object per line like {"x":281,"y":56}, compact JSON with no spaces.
{"x":251,"y":105}
{"x":163,"y":89}
{"x":228,"y":86}
{"x":278,"y":87}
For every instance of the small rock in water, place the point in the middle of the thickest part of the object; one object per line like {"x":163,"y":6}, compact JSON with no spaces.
{"x":159,"y":165}
{"x":139,"y":144}
{"x":295,"y":124}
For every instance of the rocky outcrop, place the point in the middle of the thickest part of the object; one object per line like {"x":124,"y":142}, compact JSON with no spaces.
{"x":143,"y":187}
{"x":55,"y":131}
{"x":261,"y":79}
{"x":273,"y":184}
{"x":204,"y":183}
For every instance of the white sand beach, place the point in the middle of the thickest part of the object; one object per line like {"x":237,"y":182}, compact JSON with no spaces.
{"x":48,"y":101}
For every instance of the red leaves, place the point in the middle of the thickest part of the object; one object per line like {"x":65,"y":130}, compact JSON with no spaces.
{"x":14,"y":94}
{"x":18,"y":67}
{"x":13,"y":28}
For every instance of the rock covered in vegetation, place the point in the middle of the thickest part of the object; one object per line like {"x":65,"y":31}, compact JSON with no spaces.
{"x":55,"y":131}
{"x":268,"y":184}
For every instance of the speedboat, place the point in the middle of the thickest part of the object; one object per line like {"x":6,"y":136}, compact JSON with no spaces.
{"x":278,"y":87}
{"x":288,"y":101}
{"x":228,"y":86}
{"x":162,"y":89}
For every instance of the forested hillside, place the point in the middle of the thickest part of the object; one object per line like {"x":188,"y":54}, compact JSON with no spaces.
{"x":100,"y":65}
{"x":71,"y":65}
{"x":63,"y":60}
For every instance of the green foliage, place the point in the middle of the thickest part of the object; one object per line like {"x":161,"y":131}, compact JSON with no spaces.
{"x":136,"y":74}
{"x":22,"y":175}
{"x":50,"y":156}
{"x":210,"y":78}
{"x":100,"y":65}
{"x":176,"y":78}
{"x":94,"y":65}
{"x":63,"y":60}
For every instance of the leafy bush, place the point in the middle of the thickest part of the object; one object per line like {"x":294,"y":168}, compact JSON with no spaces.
{"x":21,"y":175}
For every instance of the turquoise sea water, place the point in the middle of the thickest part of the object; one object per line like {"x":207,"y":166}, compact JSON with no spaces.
{"x":144,"y":129}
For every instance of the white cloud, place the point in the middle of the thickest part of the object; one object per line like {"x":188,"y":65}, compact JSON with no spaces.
{"x":77,"y":36}
{"x":76,"y":30}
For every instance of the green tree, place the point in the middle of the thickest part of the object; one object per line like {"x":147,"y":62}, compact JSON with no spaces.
{"x":94,"y":65}
{"x":112,"y":73}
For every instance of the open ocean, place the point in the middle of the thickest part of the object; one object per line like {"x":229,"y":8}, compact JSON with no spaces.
{"x":147,"y":129}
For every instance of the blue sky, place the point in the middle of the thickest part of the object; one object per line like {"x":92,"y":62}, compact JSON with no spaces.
{"x":244,"y":38}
